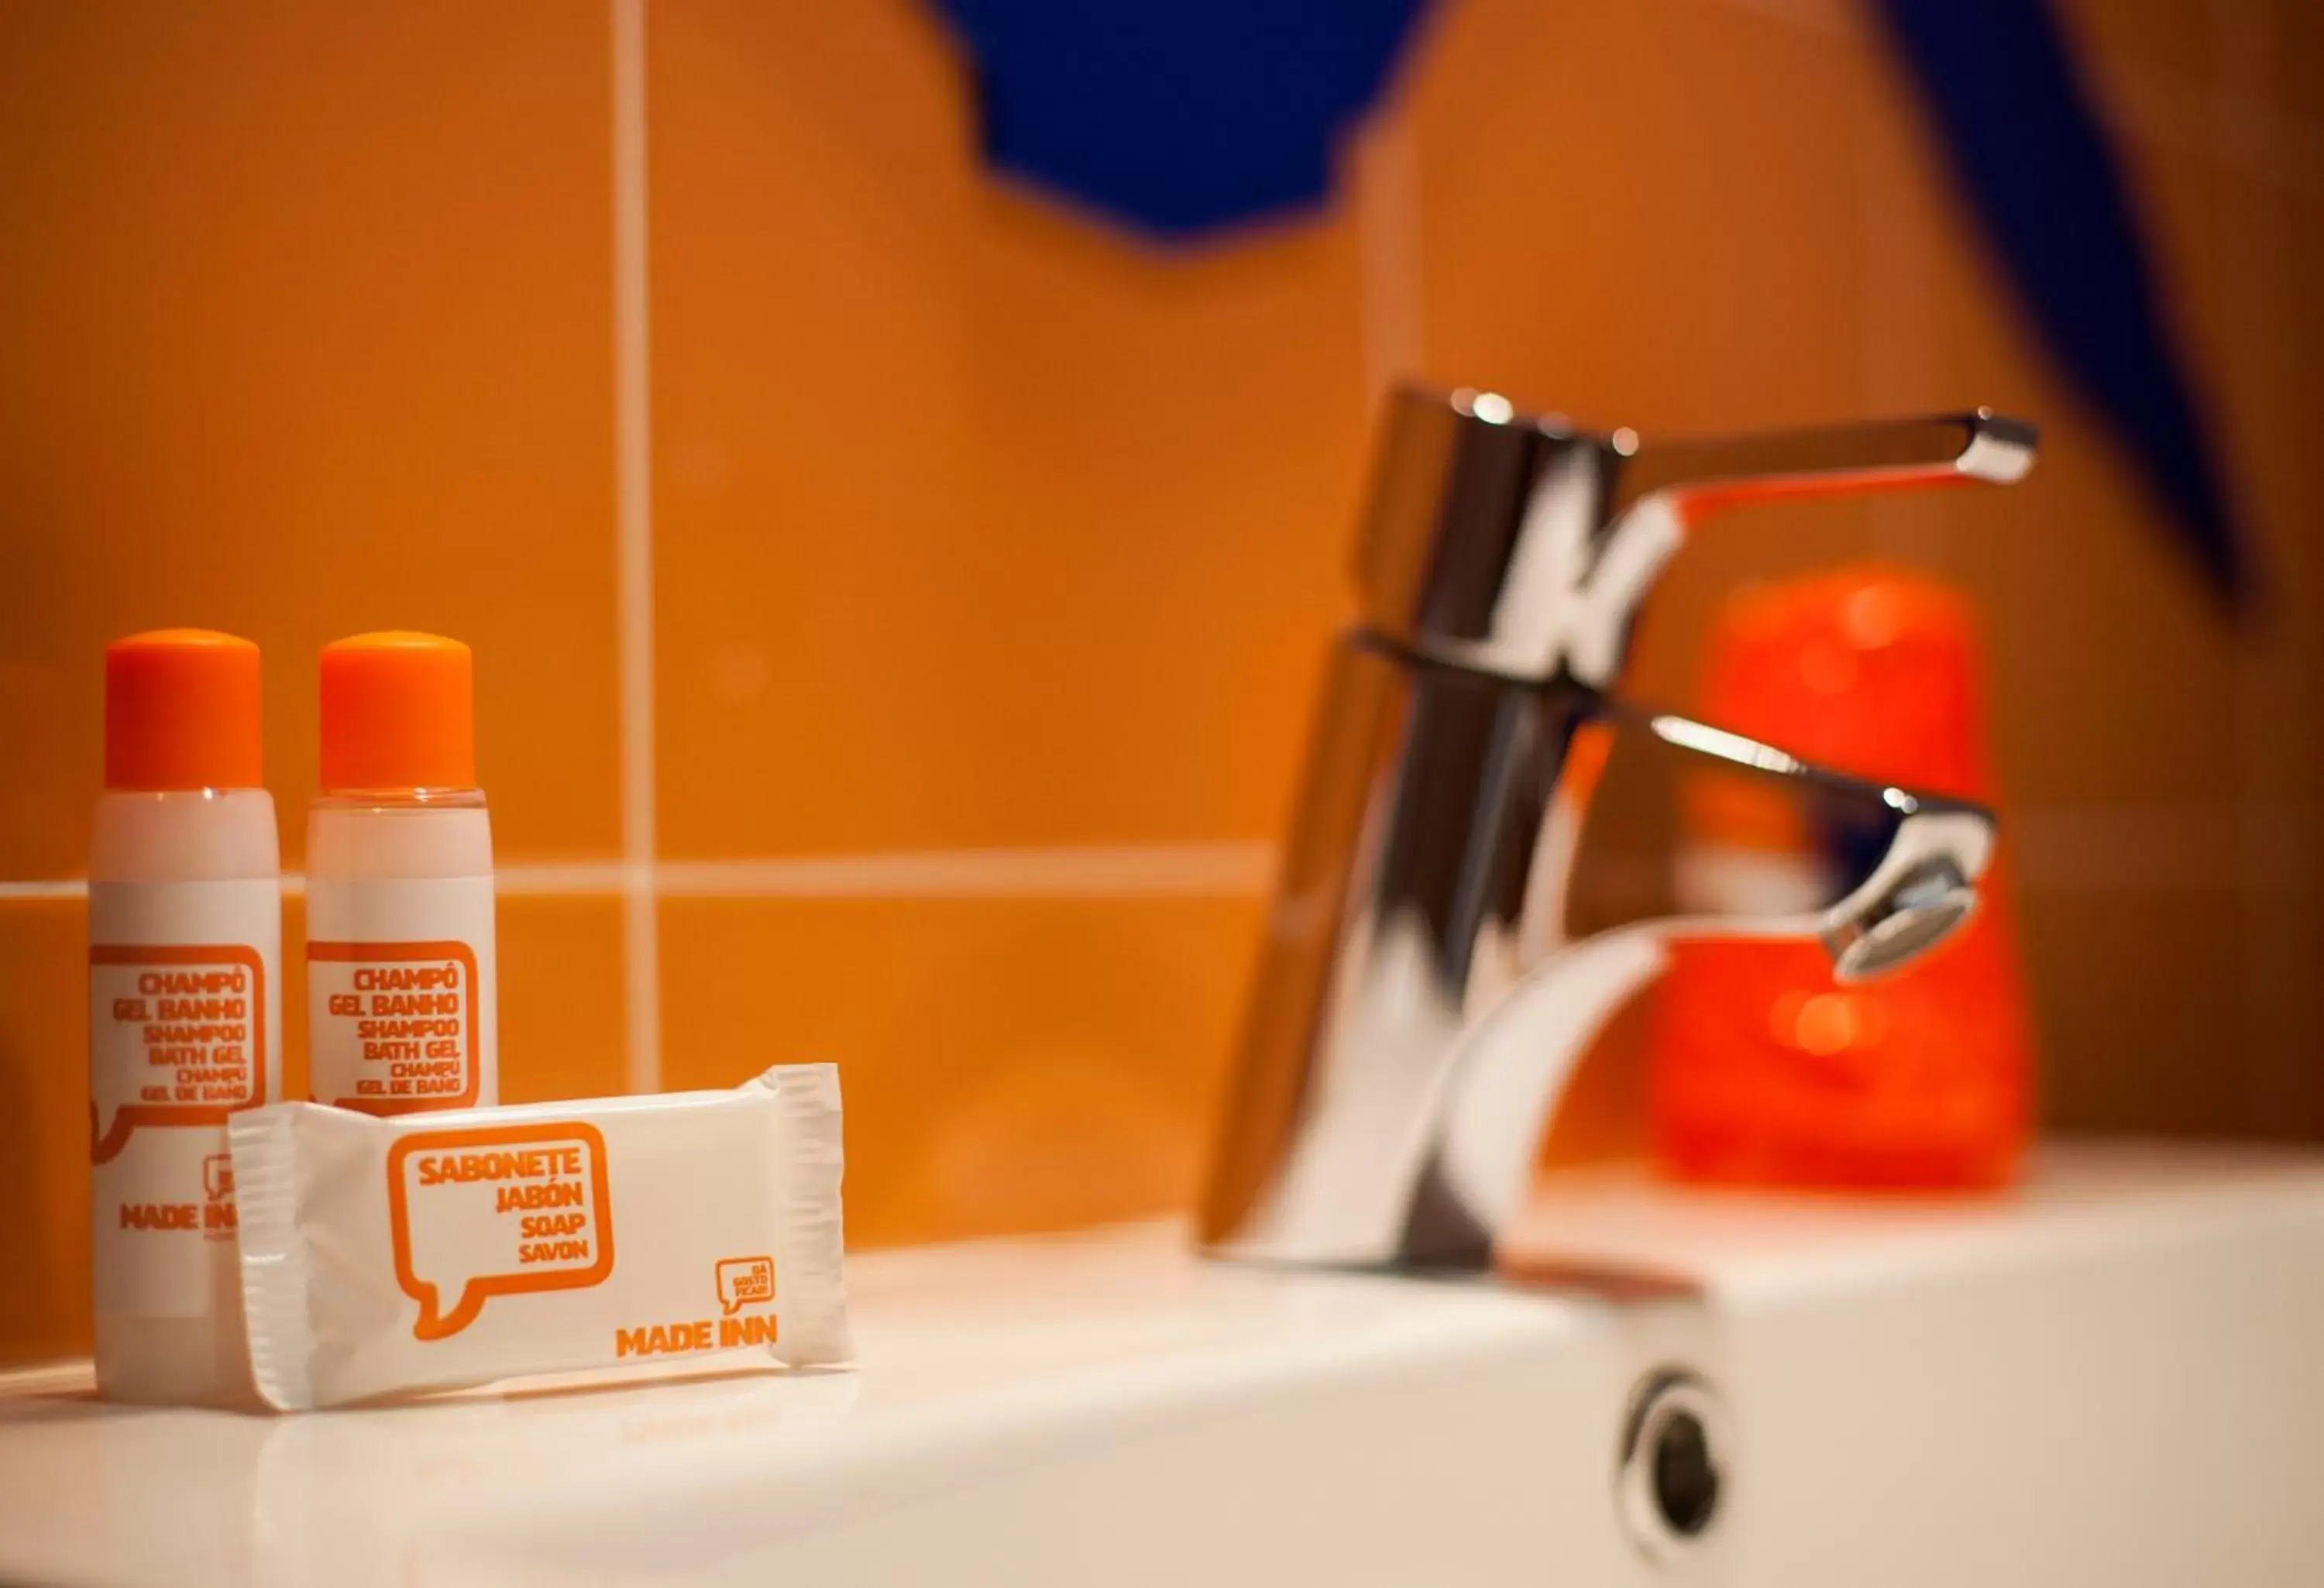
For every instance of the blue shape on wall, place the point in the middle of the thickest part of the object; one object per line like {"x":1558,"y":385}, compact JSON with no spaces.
{"x":1178,"y":116}
{"x":2028,"y":150}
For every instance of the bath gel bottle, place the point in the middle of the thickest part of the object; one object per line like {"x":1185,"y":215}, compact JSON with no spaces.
{"x":401,"y":1008}
{"x":185,"y":1008}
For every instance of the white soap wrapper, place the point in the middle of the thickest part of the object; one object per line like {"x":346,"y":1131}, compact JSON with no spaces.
{"x":427,"y":1250}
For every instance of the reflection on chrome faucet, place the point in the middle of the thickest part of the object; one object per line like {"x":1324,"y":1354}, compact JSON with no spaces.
{"x":1419,"y":1008}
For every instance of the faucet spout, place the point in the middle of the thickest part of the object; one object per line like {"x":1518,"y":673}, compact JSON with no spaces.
{"x":1420,"y":1146}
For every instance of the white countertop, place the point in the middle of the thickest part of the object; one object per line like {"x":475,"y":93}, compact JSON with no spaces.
{"x":973,"y":1356}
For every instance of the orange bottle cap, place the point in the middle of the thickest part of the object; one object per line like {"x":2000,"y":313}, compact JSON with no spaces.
{"x":182,"y":711}
{"x":399,"y":712}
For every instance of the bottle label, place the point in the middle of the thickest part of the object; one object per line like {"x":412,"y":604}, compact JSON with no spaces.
{"x":399,"y":993}
{"x":184,"y":1008}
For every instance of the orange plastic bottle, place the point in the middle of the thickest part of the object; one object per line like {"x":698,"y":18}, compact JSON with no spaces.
{"x":1762,"y":1069}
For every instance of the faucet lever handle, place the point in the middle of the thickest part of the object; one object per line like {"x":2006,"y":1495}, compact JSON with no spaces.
{"x":1661,"y":493}
{"x":1515,"y":545}
{"x":1704,"y":476}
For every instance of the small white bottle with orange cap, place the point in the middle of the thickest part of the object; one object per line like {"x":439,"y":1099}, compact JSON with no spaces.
{"x":185,"y":989}
{"x":401,"y":1000}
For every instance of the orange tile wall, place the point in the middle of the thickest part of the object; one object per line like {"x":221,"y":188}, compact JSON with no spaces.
{"x":992,"y":554}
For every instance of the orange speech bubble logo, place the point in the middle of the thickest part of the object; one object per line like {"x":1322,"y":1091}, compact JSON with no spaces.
{"x":497,"y":1210}
{"x":336,"y":970}
{"x":179,"y":1032}
{"x":744,"y":1281}
{"x":218,"y":1176}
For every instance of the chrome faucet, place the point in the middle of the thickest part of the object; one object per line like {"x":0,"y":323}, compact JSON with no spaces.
{"x":1419,"y":1008}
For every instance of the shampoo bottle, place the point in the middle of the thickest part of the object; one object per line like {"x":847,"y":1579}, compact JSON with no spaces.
{"x":400,"y":1002}
{"x":185,"y":947}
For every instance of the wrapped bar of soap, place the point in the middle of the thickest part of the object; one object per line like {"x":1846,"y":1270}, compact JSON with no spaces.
{"x":422,"y":1251}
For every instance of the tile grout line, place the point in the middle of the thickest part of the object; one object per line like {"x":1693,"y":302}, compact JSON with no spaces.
{"x":1898,"y":321}
{"x":1387,"y":255}
{"x":2235,"y":106}
{"x":44,"y":888}
{"x":1228,"y":868}
{"x":2073,"y":850}
{"x":633,"y":535}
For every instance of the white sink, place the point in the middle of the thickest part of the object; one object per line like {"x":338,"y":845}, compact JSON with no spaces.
{"x":2115,"y":1377}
